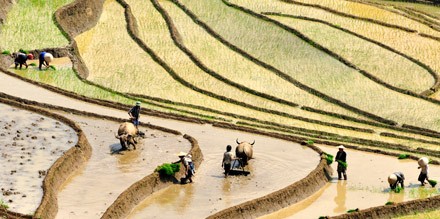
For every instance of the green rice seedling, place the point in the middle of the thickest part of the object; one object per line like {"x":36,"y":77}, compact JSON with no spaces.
{"x":342,"y":163}
{"x":329,"y":158}
{"x":403,"y":156}
{"x":323,"y":217}
{"x":3,"y":205}
{"x":432,"y":182}
{"x":23,"y":51}
{"x":33,"y":64}
{"x":353,"y":210}
{"x":310,"y":142}
{"x":6,"y":52}
{"x":389,"y":203}
{"x":168,"y":169}
{"x":52,"y":67}
{"x":398,"y":189}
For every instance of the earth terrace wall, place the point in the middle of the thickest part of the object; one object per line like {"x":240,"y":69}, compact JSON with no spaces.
{"x":140,"y":190}
{"x":279,"y":73}
{"x":359,"y":18}
{"x":366,"y":74}
{"x":395,"y":210}
{"x":285,"y":76}
{"x":133,"y":31}
{"x":106,"y":103}
{"x":4,"y":9}
{"x":417,"y":62}
{"x":410,"y":13}
{"x":63,"y":167}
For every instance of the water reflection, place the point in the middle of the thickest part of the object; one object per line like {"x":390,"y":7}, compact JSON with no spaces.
{"x":396,"y":197}
{"x":341,"y":191}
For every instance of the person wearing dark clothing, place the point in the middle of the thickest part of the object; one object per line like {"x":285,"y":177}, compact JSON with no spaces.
{"x":341,"y":158}
{"x":396,"y":178}
{"x":228,"y":157}
{"x":44,"y":59}
{"x":21,"y":58}
{"x":134,"y":113}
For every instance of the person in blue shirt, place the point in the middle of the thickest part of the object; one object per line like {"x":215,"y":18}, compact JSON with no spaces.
{"x":134,"y":114}
{"x":44,"y":59}
{"x":21,"y":58}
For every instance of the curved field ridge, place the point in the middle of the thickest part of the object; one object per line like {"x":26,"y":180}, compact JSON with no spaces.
{"x":63,"y":166}
{"x":132,"y":196}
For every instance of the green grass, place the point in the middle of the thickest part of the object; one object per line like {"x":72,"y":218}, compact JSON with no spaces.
{"x":29,"y":25}
{"x":6,"y":52}
{"x":3,"y":205}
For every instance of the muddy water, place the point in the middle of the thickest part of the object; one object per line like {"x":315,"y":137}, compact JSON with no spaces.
{"x":89,"y":193}
{"x":272,"y":169}
{"x":366,"y":186}
{"x":29,"y":144}
{"x":277,"y":164}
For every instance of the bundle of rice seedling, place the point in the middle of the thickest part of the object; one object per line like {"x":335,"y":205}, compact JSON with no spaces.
{"x":342,"y":163}
{"x":52,"y":67}
{"x":329,"y":158}
{"x":168,"y":169}
{"x":33,"y":64}
{"x":403,"y":156}
{"x":389,"y":203}
{"x":6,"y":52}
{"x":398,"y":189}
{"x":353,"y":210}
{"x":23,"y":51}
{"x":323,"y":217}
{"x":432,"y":182}
{"x":310,"y":142}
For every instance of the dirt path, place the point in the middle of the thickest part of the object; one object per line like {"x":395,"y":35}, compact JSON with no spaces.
{"x":273,"y":169}
{"x":366,"y":186}
{"x":29,"y":144}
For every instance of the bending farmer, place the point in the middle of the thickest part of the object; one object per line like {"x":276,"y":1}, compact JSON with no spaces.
{"x":44,"y":59}
{"x":21,"y":58}
{"x":396,"y":178}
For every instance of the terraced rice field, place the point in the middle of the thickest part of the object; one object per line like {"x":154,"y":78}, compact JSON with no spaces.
{"x":364,"y":74}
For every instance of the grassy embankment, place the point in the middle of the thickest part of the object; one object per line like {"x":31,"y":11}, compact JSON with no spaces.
{"x":29,"y":26}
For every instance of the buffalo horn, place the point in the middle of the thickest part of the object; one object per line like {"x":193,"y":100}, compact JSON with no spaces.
{"x":253,"y":143}
{"x":236,"y":140}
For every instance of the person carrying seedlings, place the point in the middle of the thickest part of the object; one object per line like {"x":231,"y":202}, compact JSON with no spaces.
{"x":185,"y":162}
{"x":228,"y":157}
{"x":44,"y":59}
{"x":21,"y":58}
{"x":341,"y":158}
{"x":134,"y":114}
{"x":396,"y":178}
{"x":423,"y":165}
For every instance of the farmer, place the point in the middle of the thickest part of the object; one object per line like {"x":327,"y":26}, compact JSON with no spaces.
{"x":228,"y":157}
{"x":396,"y":178}
{"x":134,"y":114}
{"x":21,"y":58}
{"x":341,"y":158}
{"x":423,"y":165}
{"x":185,"y":162}
{"x":44,"y":59}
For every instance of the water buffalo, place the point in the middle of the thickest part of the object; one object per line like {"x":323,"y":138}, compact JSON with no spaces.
{"x":127,"y":134}
{"x":244,"y":151}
